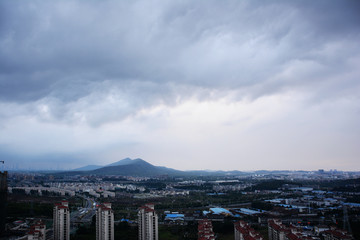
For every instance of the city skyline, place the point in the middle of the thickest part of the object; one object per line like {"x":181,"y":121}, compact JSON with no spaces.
{"x":188,"y":85}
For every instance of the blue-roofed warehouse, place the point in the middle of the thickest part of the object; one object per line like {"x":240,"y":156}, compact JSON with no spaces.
{"x":221,"y":211}
{"x":174,"y":217}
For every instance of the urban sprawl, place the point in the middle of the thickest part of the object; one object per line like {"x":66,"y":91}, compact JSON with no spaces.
{"x":294,"y":205}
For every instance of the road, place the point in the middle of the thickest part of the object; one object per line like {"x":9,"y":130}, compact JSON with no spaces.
{"x":83,"y":215}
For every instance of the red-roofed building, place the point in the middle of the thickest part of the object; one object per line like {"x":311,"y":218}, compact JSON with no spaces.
{"x":104,"y":222}
{"x":242,"y":231}
{"x":61,"y":221}
{"x":336,"y":234}
{"x":292,"y":236}
{"x":148,"y":222}
{"x":37,"y":231}
{"x":276,"y":230}
{"x":205,"y":230}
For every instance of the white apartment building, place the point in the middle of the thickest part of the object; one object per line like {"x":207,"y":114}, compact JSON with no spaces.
{"x":37,"y":231}
{"x":243,"y":231}
{"x":104,"y":222}
{"x":148,"y":223}
{"x":61,"y":221}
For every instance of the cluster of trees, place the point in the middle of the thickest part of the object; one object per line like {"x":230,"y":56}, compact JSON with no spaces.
{"x":29,"y":209}
{"x":122,"y":230}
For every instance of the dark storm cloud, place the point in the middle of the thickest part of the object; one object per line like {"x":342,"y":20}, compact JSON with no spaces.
{"x":142,"y":53}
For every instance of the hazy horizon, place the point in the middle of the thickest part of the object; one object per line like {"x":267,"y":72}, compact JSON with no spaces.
{"x":230,"y":85}
{"x":58,"y":168}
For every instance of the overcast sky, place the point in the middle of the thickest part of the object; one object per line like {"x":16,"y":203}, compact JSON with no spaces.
{"x":243,"y":85}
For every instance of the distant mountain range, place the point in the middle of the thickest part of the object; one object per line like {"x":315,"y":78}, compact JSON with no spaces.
{"x":126,"y":167}
{"x":88,"y":168}
{"x":141,"y":168}
{"x":136,"y":167}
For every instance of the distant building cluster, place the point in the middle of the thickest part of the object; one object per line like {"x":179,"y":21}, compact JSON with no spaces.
{"x":278,"y":231}
{"x":308,"y":210}
{"x":42,"y":190}
{"x":106,"y":190}
{"x":336,"y":234}
{"x":226,"y":188}
{"x":101,"y":189}
{"x":170,"y":193}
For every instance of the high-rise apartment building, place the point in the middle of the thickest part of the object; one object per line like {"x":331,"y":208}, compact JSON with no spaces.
{"x":243,"y":231}
{"x":205,"y":230}
{"x":148,"y":223}
{"x":61,"y":221}
{"x":3,"y":200}
{"x":104,"y":222}
{"x":279,"y":231}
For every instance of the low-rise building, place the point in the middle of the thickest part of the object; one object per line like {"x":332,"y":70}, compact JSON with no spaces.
{"x":37,"y":231}
{"x":336,"y":234}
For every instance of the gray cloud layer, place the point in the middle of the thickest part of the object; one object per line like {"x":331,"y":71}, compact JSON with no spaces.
{"x":96,"y":62}
{"x":60,"y":49}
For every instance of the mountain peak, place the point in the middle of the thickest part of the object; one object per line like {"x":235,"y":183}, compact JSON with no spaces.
{"x":139,"y":160}
{"x":135,"y":167}
{"x":127,"y":161}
